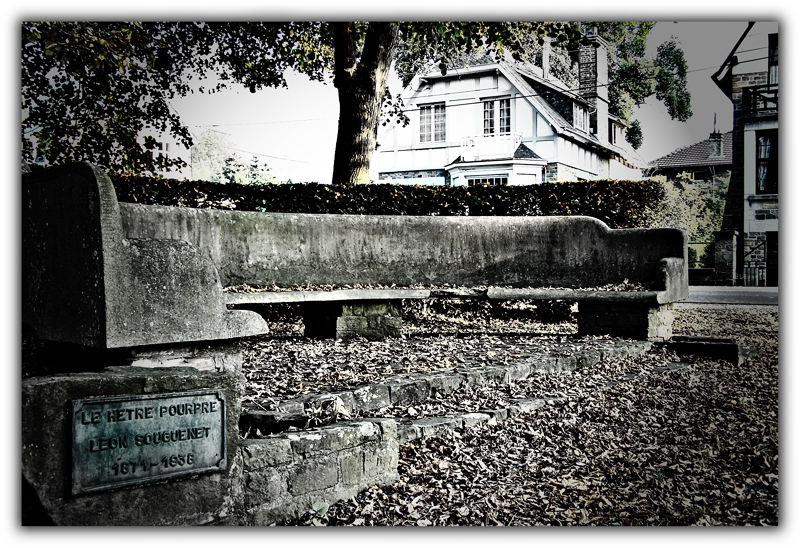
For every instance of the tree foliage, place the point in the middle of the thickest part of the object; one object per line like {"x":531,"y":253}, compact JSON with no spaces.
{"x":89,"y":90}
{"x":633,"y":77}
{"x":443,"y":45}
{"x":208,"y":156}
{"x":694,"y":208}
{"x":215,"y":159}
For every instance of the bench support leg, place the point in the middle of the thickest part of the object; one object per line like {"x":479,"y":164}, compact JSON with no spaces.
{"x":628,"y":320}
{"x":373,"y":320}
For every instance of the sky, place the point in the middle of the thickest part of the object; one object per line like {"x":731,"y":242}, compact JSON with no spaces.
{"x":293,"y":130}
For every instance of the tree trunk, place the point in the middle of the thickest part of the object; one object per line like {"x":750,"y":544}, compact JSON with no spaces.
{"x":360,"y":83}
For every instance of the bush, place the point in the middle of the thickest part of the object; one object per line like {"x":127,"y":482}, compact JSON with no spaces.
{"x":620,"y":204}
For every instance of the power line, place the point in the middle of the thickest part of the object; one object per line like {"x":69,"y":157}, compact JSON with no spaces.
{"x":270,"y":122}
{"x":273,"y":157}
{"x":570,"y":90}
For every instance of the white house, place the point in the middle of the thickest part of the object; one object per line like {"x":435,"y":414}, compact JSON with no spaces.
{"x":169,"y":147}
{"x":508,"y":123}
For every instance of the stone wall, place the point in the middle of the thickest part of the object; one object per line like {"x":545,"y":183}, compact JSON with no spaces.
{"x":284,"y":475}
{"x":725,"y":257}
{"x":264,"y":480}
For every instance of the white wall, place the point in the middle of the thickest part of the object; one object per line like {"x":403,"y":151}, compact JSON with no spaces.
{"x":622,"y":172}
{"x":751,"y":224}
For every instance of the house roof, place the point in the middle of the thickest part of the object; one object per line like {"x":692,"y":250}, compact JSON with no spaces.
{"x":697,"y":155}
{"x":521,"y":153}
{"x":521,"y":76}
{"x":524,"y":152}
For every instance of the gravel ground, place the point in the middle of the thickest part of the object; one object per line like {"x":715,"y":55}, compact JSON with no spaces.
{"x":693,"y":445}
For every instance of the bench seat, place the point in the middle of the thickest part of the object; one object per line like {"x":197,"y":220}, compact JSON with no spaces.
{"x":496,"y":293}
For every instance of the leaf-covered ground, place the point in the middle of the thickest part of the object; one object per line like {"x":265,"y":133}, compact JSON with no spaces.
{"x":696,"y":444}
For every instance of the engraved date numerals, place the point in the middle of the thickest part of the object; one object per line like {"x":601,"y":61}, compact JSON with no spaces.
{"x":132,"y":467}
{"x":177,"y":460}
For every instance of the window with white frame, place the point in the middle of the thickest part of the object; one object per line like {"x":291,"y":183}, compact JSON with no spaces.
{"x":497,"y":117}
{"x":494,"y":180}
{"x":580,"y":117}
{"x":432,"y":123}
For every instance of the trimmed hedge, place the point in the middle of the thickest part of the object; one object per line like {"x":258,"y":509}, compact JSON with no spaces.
{"x":620,"y":204}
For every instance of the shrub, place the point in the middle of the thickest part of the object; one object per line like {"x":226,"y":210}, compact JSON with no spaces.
{"x":620,"y":204}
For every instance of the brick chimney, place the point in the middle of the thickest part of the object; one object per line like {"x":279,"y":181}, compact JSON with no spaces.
{"x":546,"y":58}
{"x":715,"y":142}
{"x":593,"y":77}
{"x":715,"y":146}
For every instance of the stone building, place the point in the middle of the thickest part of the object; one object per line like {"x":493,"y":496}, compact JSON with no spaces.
{"x":747,"y":246}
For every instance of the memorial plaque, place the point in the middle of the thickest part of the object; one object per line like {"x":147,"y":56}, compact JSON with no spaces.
{"x":130,"y":440}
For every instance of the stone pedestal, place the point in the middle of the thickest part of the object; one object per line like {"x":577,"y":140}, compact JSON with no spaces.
{"x":628,"y":320}
{"x":48,"y":451}
{"x":373,"y":320}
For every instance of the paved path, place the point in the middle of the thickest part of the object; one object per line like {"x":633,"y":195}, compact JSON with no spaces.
{"x":733,"y":295}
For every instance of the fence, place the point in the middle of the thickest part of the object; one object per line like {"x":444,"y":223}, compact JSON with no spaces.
{"x":754,"y":275}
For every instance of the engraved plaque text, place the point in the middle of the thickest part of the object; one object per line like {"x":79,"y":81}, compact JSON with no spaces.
{"x":129,"y":440}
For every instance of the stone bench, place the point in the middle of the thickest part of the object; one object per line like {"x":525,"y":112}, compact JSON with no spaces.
{"x":112,"y":274}
{"x":134,"y":295}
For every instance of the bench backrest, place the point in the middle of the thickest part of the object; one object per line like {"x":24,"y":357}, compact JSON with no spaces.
{"x":85,"y":282}
{"x":289,"y":249}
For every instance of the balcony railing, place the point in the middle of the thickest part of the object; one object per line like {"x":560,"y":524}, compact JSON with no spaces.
{"x":489,"y":147}
{"x":758,"y":99}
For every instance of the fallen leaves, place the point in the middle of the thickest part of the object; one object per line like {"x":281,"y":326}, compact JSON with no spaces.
{"x":696,"y":445}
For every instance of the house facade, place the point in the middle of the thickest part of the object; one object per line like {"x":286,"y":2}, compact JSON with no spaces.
{"x":168,"y":146}
{"x":705,"y":162}
{"x":507,"y":123}
{"x":747,"y":246}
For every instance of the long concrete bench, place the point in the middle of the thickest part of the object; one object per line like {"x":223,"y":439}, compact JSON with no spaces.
{"x":112,"y":274}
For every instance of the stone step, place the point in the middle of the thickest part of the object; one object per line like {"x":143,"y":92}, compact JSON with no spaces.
{"x":436,"y":426}
{"x":408,"y":389}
